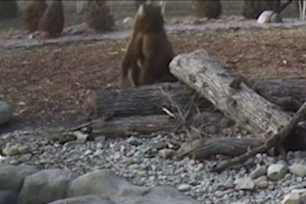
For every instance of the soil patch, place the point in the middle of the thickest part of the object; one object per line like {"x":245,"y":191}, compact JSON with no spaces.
{"x":56,"y":82}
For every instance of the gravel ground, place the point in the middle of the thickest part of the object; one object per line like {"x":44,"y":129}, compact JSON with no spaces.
{"x":141,"y":162}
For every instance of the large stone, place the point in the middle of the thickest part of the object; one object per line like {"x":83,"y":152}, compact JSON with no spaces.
{"x":157,"y":195}
{"x":244,"y":183}
{"x":258,"y":172}
{"x":268,"y":16}
{"x":45,"y":186}
{"x":291,"y":198}
{"x":89,"y":199}
{"x":298,"y":170}
{"x":6,"y":112}
{"x":12,"y":177}
{"x":7,"y":197}
{"x":105,"y":183}
{"x":277,"y":171}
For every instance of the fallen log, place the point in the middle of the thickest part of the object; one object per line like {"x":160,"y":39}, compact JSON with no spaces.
{"x":204,"y":148}
{"x":146,"y":125}
{"x":232,"y":96}
{"x":127,"y":126}
{"x":201,"y":71}
{"x":273,"y":141}
{"x":149,"y":100}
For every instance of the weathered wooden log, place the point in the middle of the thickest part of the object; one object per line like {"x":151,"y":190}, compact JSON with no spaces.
{"x":146,"y":125}
{"x":127,"y":126}
{"x":149,"y":100}
{"x":201,"y":71}
{"x":201,"y":149}
{"x":273,"y":141}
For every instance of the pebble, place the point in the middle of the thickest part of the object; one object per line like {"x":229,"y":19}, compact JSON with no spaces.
{"x":183,"y":187}
{"x":98,"y":152}
{"x":142,"y":166}
{"x":88,"y":152}
{"x":298,"y":170}
{"x":134,"y":166}
{"x":277,"y":171}
{"x":166,"y":153}
{"x":245,"y":183}
{"x":134,"y":141}
{"x":258,"y":172}
{"x":159,"y":145}
{"x":291,"y":198}
{"x":262,"y":184}
{"x":11,"y":150}
{"x":23,"y":149}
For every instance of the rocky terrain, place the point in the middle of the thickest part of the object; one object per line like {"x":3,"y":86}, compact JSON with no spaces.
{"x":135,"y":169}
{"x":144,"y":162}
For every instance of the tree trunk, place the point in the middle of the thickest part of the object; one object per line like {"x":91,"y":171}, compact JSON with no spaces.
{"x":253,"y":8}
{"x":149,"y":100}
{"x":127,"y":126}
{"x":230,"y":95}
{"x":8,"y":9}
{"x":211,"y":9}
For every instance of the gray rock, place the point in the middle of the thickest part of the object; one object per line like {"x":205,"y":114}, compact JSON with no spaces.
{"x":298,"y":170}
{"x":7,"y":197}
{"x":277,"y":171}
{"x":300,"y":191}
{"x":245,"y":183}
{"x":157,"y":195}
{"x":134,"y":141}
{"x":291,"y":198}
{"x":45,"y":186}
{"x":105,"y":183}
{"x":6,"y":112}
{"x":166,"y":153}
{"x":12,"y":177}
{"x":11,"y":150}
{"x":89,"y":199}
{"x":268,"y":16}
{"x":262,"y":182}
{"x":159,"y":145}
{"x":258,"y":172}
{"x":276,"y":18}
{"x":183,"y":187}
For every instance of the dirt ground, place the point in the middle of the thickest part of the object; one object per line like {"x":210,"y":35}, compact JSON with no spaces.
{"x":56,"y":82}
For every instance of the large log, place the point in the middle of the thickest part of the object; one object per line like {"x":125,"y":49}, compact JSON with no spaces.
{"x":201,"y":149}
{"x":149,"y":100}
{"x":201,"y":71}
{"x":274,"y":141}
{"x":146,"y":125}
